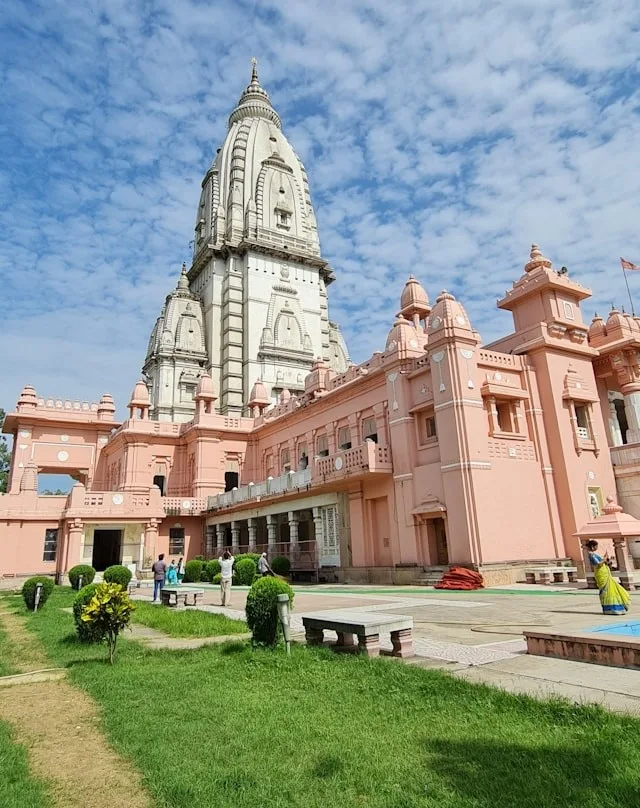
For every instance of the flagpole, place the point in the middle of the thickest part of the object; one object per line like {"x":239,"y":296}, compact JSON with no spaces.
{"x":626,"y":280}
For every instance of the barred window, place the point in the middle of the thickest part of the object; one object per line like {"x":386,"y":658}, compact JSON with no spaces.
{"x":50,"y":544}
{"x":176,"y":540}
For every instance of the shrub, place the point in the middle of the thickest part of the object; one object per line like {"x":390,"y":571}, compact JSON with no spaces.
{"x":117,"y":574}
{"x":84,"y":630}
{"x":107,"y":613}
{"x":281,"y":566}
{"x":193,"y":572}
{"x":88,"y":574}
{"x":212,"y":569}
{"x":245,"y":571}
{"x":262,"y":609}
{"x":216,"y":578}
{"x":241,"y":557}
{"x":29,"y":590}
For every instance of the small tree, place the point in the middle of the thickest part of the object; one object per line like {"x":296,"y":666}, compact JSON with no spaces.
{"x":108,"y":613}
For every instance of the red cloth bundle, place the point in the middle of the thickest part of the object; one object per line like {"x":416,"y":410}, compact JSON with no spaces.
{"x":461,"y":578}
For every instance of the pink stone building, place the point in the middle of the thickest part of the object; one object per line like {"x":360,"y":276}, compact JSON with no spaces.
{"x":252,"y":429}
{"x":435,"y":451}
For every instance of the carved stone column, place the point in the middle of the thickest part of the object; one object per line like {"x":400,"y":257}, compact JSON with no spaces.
{"x":76,"y":528}
{"x":293,"y":530}
{"x":632,"y":411}
{"x":219,"y":538}
{"x":272,"y":530}
{"x":235,"y":536}
{"x":588,"y":571}
{"x":252,"y":526}
{"x":150,"y":539}
{"x":625,"y":564}
{"x":614,"y":426}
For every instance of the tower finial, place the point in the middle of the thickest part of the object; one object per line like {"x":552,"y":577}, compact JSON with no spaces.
{"x":254,"y":70}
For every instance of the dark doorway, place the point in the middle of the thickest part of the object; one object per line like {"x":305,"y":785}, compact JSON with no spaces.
{"x":442,"y":551}
{"x":159,"y":481}
{"x":230,"y":480}
{"x":106,"y":549}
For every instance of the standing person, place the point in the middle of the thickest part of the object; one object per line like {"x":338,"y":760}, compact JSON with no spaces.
{"x":172,"y":573}
{"x":614,"y":599}
{"x":263,"y":566}
{"x":180,"y":570}
{"x":226,"y":573}
{"x":159,"y":569}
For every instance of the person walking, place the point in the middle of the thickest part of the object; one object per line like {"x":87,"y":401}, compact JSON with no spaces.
{"x":226,"y":575}
{"x":159,"y":569}
{"x":172,"y":573}
{"x":180,"y":570}
{"x":614,"y":599}
{"x":264,"y":567}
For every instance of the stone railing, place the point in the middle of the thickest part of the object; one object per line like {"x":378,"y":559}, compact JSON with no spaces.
{"x":626,"y":455}
{"x":271,"y":487}
{"x":367,"y":458}
{"x":184,"y":506}
{"x":114,"y":504}
{"x":28,"y":502}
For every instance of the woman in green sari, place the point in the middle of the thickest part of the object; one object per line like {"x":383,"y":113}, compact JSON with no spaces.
{"x":614,"y":599}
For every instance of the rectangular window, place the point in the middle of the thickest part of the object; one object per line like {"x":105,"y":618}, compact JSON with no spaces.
{"x":582,"y":422}
{"x":505,"y":421}
{"x":50,"y":544}
{"x":430,"y":427}
{"x":322,"y":446}
{"x":176,"y":540}
{"x":285,"y":460}
{"x":344,"y":438}
{"x":370,"y":429}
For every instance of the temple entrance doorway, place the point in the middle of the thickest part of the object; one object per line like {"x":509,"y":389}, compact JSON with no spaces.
{"x":440,"y":534}
{"x":107,"y":546}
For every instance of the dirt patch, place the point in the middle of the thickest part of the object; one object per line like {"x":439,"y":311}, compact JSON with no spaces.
{"x":25,"y":652}
{"x":58,"y":725}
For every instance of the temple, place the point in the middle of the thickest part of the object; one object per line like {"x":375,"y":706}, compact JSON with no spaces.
{"x":251,"y":428}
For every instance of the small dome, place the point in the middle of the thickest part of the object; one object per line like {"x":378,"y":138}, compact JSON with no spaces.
{"x":285,"y":396}
{"x":403,"y":336}
{"x":631,"y":321}
{"x":205,"y":390}
{"x":140,"y":395}
{"x":183,"y":282}
{"x":259,"y":395}
{"x":254,"y":102}
{"x":615,"y":320}
{"x":414,"y":297}
{"x":29,"y":481}
{"x":536,"y":259}
{"x":597,"y":328}
{"x":107,"y":403}
{"x":448,"y":312}
{"x":28,"y":396}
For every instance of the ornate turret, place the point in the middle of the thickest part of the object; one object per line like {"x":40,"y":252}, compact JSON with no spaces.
{"x":139,"y":401}
{"x":28,"y":399}
{"x":258,"y":400}
{"x":414,"y":302}
{"x":106,"y":408}
{"x":205,"y":395}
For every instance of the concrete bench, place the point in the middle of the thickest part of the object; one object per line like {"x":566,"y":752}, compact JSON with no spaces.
{"x":547,"y":575}
{"x":174,"y":595}
{"x":367,"y":626}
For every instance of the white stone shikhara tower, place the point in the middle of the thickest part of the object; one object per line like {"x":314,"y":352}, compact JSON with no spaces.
{"x":257,"y":283}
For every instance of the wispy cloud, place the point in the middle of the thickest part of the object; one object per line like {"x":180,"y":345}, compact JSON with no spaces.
{"x":440,"y":139}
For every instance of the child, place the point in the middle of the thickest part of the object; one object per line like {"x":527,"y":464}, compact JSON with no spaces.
{"x":180,"y":570}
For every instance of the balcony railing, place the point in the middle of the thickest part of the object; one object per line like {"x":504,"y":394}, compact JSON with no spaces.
{"x":113,"y":504}
{"x":184,"y":506}
{"x":273,"y":486}
{"x":367,"y":458}
{"x":626,"y":455}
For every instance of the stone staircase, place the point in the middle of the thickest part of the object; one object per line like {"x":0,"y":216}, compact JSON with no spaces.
{"x":432,"y":575}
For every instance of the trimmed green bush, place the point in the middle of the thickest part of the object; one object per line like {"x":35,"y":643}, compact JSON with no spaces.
{"x":29,"y":590}
{"x":241,"y":557}
{"x":88,"y":574}
{"x":117,"y":574}
{"x":262,"y":609}
{"x":245,"y":571}
{"x":281,"y":566}
{"x":212,"y":569}
{"x":85,"y":631}
{"x":216,"y":578}
{"x":193,"y":572}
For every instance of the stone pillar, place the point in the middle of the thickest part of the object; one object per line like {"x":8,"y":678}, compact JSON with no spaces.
{"x":293,"y":531}
{"x":625,"y":564}
{"x":272,"y":530}
{"x":588,"y":571}
{"x":235,"y":536}
{"x":252,"y":525}
{"x":219,"y":537}
{"x":319,"y":532}
{"x":632,"y":410}
{"x":74,"y":544}
{"x":150,"y":539}
{"x":615,"y":432}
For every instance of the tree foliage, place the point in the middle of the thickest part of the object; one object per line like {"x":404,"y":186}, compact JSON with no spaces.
{"x":108,"y":613}
{"x":5,"y":458}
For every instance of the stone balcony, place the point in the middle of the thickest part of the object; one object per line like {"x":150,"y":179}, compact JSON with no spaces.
{"x":626,"y":455}
{"x":111,"y":505}
{"x":184,"y":506}
{"x":254,"y":492}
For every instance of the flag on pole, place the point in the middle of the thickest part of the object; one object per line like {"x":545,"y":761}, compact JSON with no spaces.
{"x":628,"y":265}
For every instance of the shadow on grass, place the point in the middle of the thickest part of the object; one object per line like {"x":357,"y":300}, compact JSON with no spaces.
{"x":328,"y":766}
{"x":234,"y":647}
{"x":503,"y":774}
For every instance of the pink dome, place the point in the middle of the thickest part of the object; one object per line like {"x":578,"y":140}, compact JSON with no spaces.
{"x":414,"y":298}
{"x":597,"y":328}
{"x":536,"y":259}
{"x":140,"y":395}
{"x":448,"y":312}
{"x":403,"y":336}
{"x":28,"y":397}
{"x":285,"y":396}
{"x":615,"y":320}
{"x":205,"y":390}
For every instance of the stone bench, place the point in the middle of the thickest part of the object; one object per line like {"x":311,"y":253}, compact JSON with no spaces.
{"x":367,"y":626}
{"x":174,"y":595}
{"x":547,"y":575}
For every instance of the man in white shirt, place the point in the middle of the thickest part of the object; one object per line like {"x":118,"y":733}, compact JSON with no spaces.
{"x":226,"y":572}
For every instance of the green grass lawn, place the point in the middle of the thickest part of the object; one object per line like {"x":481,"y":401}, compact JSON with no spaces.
{"x":228,"y":726}
{"x":5,"y":667}
{"x":18,"y":789}
{"x":186,"y":623}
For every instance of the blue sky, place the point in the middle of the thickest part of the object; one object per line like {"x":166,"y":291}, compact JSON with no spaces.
{"x":440,"y":139}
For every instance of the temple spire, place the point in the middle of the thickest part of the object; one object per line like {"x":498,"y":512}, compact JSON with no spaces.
{"x":254,"y":71}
